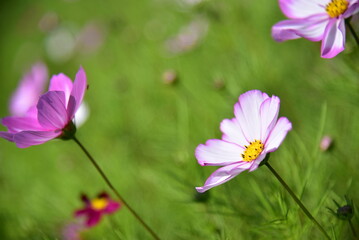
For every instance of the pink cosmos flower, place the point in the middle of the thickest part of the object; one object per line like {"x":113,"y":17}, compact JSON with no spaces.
{"x":29,"y":90}
{"x":95,"y":208}
{"x":52,"y":115}
{"x":316,"y":20}
{"x":246,"y":140}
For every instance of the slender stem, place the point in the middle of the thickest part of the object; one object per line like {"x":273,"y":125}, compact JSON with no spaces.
{"x":352,"y":31}
{"x":305,"y":210}
{"x":103,"y":175}
{"x":352,"y":228}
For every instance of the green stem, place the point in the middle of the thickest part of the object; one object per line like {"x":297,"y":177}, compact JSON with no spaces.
{"x":352,"y":31}
{"x":352,"y":228}
{"x":103,"y":175}
{"x":300,"y":204}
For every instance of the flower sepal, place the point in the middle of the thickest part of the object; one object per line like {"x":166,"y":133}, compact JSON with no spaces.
{"x":201,"y":197}
{"x":265,"y":160}
{"x":68,"y":132}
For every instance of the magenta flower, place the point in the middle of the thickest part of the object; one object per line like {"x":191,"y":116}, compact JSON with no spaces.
{"x":316,"y":20}
{"x":95,"y":208}
{"x":246,"y":140}
{"x":52,"y":116}
{"x":29,"y":90}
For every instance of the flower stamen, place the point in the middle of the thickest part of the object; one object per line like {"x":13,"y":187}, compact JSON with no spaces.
{"x":99,"y":203}
{"x":336,"y":8}
{"x":253,"y":150}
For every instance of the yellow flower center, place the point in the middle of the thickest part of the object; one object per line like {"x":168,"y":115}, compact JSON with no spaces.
{"x":336,"y":8}
{"x":99,"y":203}
{"x":252,"y":150}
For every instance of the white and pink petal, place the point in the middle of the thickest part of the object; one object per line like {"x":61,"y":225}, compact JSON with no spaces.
{"x":218,"y":153}
{"x":277,"y":135}
{"x":311,"y":28}
{"x":297,"y":9}
{"x":334,"y":38}
{"x":353,"y":8}
{"x":269,"y":114}
{"x":255,"y":163}
{"x":247,"y":113}
{"x":223,"y":175}
{"x":232,"y":132}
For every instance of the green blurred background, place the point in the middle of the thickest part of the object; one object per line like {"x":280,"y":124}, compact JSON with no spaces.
{"x":143,"y":130}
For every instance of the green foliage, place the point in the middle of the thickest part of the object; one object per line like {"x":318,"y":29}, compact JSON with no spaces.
{"x":143,"y":132}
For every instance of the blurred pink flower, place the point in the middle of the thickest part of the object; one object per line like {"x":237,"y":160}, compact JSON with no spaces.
{"x":52,"y":115}
{"x":90,"y":38}
{"x":316,"y":20}
{"x":49,"y":21}
{"x":188,"y":37}
{"x":29,"y":90}
{"x":72,"y":231}
{"x":326,"y":143}
{"x":247,"y":138}
{"x":95,"y":208}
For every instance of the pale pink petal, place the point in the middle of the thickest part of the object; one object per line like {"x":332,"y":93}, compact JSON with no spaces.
{"x":302,"y":8}
{"x":278,"y":134}
{"x":77,"y":93}
{"x":29,"y":90}
{"x":18,"y":124}
{"x":255,"y":163}
{"x":217,"y":152}
{"x":81,"y":115}
{"x":29,"y":138}
{"x":269,"y":114}
{"x":223,"y":175}
{"x":353,"y":8}
{"x":232,"y":132}
{"x":334,"y":38}
{"x":286,"y":30}
{"x":247,"y":113}
{"x":63,"y":83}
{"x":311,"y":28}
{"x":52,"y":111}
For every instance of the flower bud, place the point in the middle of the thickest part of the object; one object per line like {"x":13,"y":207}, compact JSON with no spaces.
{"x":169,"y":77}
{"x":345,"y":212}
{"x":326,"y":143}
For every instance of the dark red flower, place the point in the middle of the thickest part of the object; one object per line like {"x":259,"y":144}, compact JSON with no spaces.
{"x":95,"y":208}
